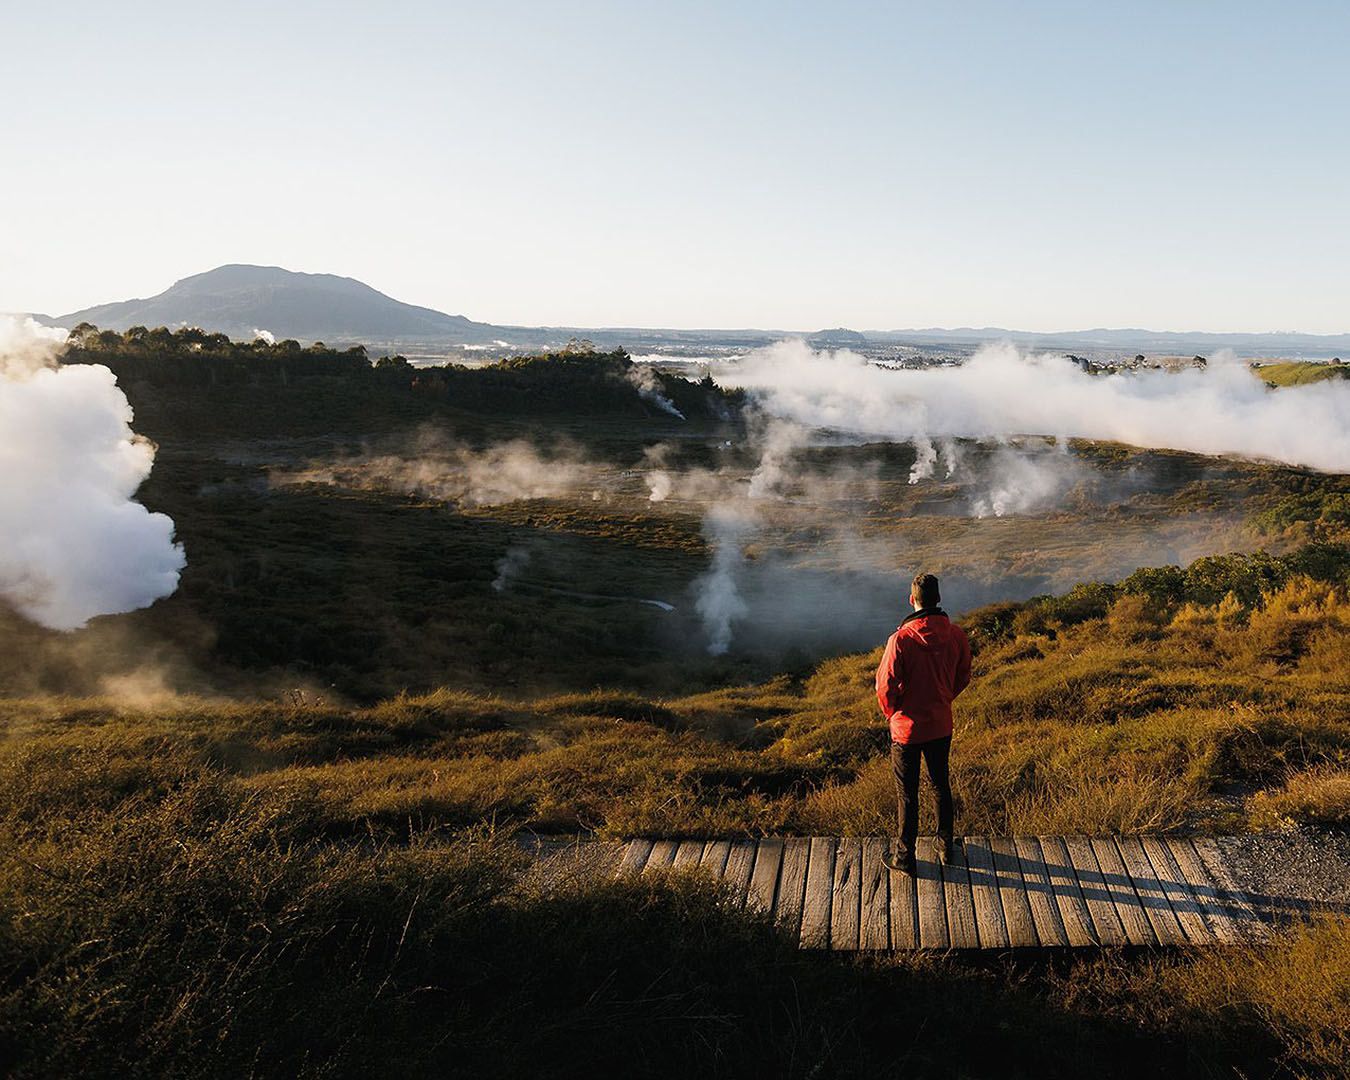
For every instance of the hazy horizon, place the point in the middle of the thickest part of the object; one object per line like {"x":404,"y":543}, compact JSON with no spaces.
{"x":789,"y":330}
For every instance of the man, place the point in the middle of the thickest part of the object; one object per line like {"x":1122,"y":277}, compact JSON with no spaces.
{"x":925,"y":665}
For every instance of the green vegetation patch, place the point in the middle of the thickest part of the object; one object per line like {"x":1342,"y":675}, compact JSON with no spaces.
{"x":1302,"y":372}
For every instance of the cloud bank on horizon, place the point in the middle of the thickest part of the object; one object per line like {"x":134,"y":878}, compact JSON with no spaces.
{"x":1002,"y":391}
{"x":74,"y":543}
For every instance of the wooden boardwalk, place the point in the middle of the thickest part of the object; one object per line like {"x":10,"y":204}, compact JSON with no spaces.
{"x":1020,"y":893}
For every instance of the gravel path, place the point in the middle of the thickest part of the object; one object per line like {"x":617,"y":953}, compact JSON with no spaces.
{"x":1291,"y":873}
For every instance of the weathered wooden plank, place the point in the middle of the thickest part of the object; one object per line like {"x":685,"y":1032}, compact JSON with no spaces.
{"x":764,"y":878}
{"x":663,"y":854}
{"x":714,"y":857}
{"x":1202,"y":886}
{"x":1238,"y":902}
{"x":960,"y":902}
{"x":845,"y":909}
{"x":875,"y":926}
{"x":1151,"y":893}
{"x":1120,"y":888}
{"x":905,"y":912}
{"x":1066,"y":893}
{"x":1177,"y":891}
{"x":1105,"y":921}
{"x":931,"y":900}
{"x":1052,"y":891}
{"x":787,"y":908}
{"x":819,"y":893}
{"x":740,"y":863}
{"x":989,"y":921}
{"x":688,"y":854}
{"x":1012,"y":893}
{"x":634,"y":856}
{"x":1040,"y":893}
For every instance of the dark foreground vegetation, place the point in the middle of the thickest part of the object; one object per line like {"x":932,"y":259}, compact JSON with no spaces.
{"x":267,"y":879}
{"x":161,"y":918}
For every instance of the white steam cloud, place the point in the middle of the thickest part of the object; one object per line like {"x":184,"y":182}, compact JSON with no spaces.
{"x":649,"y":389}
{"x":1023,"y":481}
{"x":442,"y":469}
{"x":73,"y":542}
{"x":1222,"y":409}
{"x":925,"y":459}
{"x":1000,"y":396}
{"x":719,"y":602}
{"x":509,"y":566}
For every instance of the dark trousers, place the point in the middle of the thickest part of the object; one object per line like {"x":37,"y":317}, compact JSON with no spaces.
{"x":905,"y":762}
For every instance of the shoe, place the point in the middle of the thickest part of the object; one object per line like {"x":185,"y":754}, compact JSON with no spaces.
{"x":903,"y":863}
{"x":947,"y":853}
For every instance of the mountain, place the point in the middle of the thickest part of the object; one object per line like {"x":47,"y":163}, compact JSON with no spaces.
{"x":240,"y":300}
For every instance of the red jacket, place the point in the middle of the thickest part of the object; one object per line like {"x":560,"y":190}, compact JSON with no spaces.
{"x":925,"y":665}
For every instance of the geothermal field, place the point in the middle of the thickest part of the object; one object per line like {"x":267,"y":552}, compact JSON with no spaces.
{"x":661,"y":528}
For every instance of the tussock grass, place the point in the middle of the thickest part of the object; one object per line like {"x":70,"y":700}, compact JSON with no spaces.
{"x":1139,"y":719}
{"x":1296,"y":988}
{"x":183,"y":923}
{"x":1319,"y":795}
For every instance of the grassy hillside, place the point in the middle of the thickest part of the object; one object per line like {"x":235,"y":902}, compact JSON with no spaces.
{"x":206,"y":888}
{"x":1214,"y":698}
{"x":1302,"y":372}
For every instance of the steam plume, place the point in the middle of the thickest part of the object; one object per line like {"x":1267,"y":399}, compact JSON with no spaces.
{"x":73,"y":542}
{"x":999,"y":395}
{"x":925,"y":459}
{"x":442,"y":469}
{"x":719,"y":602}
{"x":509,"y":566}
{"x":649,"y":389}
{"x":1222,"y":409}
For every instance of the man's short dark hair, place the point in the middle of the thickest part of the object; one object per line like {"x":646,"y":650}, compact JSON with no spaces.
{"x":925,"y":587}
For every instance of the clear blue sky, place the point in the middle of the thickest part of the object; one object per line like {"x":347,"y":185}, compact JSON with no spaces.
{"x":1033,"y":165}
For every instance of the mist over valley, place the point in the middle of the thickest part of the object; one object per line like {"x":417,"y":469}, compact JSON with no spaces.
{"x":368,"y":527}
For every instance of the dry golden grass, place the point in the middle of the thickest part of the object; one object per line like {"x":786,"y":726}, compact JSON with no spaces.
{"x":1139,"y":720}
{"x":1296,"y":987}
{"x":1320,"y":795}
{"x":196,"y":887}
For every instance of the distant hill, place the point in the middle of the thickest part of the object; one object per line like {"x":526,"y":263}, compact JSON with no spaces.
{"x":240,"y":300}
{"x":1150,"y":342}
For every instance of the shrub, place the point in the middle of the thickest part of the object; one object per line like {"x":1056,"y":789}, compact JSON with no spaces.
{"x":1320,"y":795}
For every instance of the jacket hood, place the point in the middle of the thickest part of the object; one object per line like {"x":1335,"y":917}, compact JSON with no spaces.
{"x":930,"y":627}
